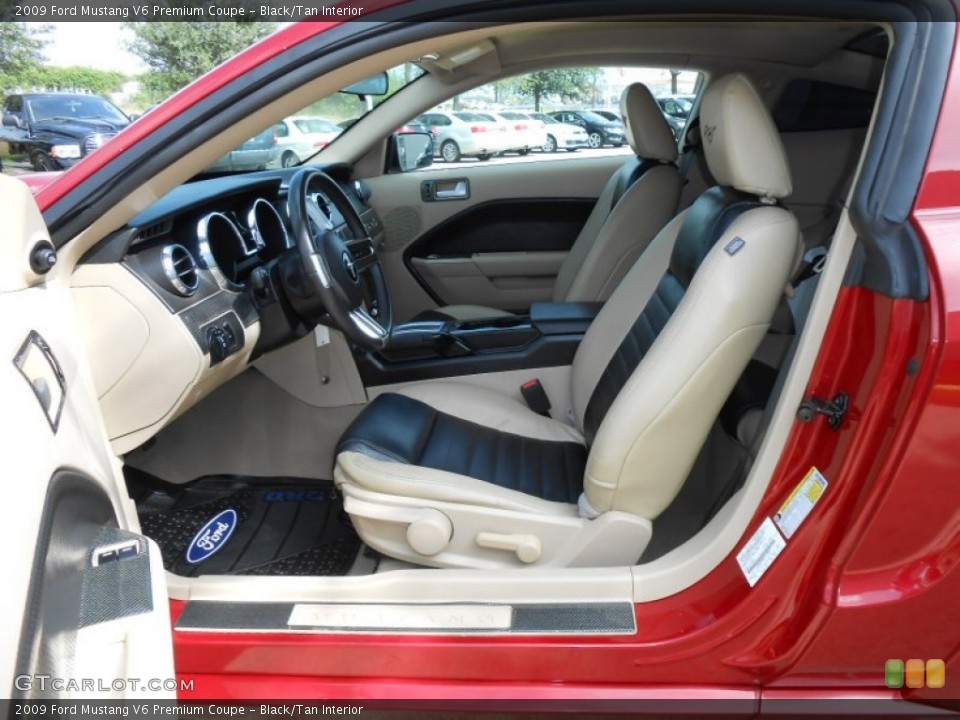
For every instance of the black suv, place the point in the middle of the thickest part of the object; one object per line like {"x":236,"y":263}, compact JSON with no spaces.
{"x":55,"y":130}
{"x":600,"y":130}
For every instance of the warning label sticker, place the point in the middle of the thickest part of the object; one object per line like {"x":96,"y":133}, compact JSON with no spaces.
{"x":800,"y":503}
{"x":760,"y":551}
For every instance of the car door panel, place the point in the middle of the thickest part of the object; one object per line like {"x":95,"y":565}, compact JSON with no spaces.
{"x":76,"y":606}
{"x":521,"y":209}
{"x":508,"y":281}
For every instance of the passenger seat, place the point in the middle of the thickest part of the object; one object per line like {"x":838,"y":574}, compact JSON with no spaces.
{"x":638,"y":200}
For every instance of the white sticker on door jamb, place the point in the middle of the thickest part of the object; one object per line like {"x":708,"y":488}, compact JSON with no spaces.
{"x":756,"y":557}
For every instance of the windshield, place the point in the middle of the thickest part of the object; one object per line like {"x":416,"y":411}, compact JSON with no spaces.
{"x":473,"y":117}
{"x":73,"y":106}
{"x":545,"y":118}
{"x":594,"y":118}
{"x":303,"y":134}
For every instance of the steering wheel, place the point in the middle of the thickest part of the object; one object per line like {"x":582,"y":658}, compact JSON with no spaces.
{"x":345,"y":272}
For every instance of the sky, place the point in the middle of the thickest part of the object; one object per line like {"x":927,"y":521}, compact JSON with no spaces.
{"x":91,"y":44}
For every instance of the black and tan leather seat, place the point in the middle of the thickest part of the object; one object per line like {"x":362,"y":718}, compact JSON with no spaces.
{"x":637,"y":201}
{"x":453,"y":475}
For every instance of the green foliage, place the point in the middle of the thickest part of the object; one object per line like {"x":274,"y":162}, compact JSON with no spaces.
{"x":21,"y":51}
{"x":177,"y":53}
{"x":566,"y":83}
{"x":99,"y":82}
{"x":342,"y":106}
{"x":336,"y":108}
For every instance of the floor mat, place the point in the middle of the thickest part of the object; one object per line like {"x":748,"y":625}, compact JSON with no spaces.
{"x":229,"y":525}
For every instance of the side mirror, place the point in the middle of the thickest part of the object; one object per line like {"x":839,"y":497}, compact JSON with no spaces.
{"x":12,"y":120}
{"x":413,"y":150}
{"x":376,"y":85}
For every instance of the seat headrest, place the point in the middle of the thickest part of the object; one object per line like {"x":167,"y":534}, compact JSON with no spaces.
{"x":647,"y":131}
{"x":740,"y":141}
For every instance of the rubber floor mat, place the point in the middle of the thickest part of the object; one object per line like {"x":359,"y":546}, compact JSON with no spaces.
{"x":229,"y":525}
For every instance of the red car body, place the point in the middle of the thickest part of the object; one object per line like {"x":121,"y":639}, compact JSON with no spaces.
{"x":872,"y":576}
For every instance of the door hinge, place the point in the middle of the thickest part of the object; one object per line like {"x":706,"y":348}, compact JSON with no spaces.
{"x":834,"y":410}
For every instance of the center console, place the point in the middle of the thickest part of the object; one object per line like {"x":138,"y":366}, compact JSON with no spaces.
{"x":547,"y":336}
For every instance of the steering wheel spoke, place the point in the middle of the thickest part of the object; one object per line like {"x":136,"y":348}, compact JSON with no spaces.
{"x":364,"y":253}
{"x":367,"y":325}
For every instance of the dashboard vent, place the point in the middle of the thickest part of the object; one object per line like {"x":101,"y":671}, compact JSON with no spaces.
{"x":180,"y":270}
{"x":155,"y":230}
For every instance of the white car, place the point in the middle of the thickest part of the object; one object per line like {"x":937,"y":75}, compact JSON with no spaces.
{"x":465,"y":134}
{"x":527,"y":132}
{"x":302,"y":136}
{"x":560,"y":135}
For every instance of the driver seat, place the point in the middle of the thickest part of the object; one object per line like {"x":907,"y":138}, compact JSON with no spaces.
{"x":453,"y":475}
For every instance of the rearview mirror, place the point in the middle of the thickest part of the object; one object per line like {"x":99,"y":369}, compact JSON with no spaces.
{"x":414,"y":150}
{"x":374,"y":85}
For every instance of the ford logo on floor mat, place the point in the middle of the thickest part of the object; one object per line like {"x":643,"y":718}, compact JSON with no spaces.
{"x":212,"y":536}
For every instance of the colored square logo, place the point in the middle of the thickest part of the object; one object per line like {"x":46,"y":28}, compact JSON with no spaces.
{"x":915,"y":670}
{"x":936,"y":674}
{"x":893,"y":674}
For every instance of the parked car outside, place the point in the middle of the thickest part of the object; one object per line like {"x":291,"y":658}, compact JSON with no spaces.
{"x":55,"y":130}
{"x":609,"y":115}
{"x":301,"y":136}
{"x":258,"y":153}
{"x":528,"y":133}
{"x":676,"y":109}
{"x":465,"y":134}
{"x":560,"y":135}
{"x":600,"y":131}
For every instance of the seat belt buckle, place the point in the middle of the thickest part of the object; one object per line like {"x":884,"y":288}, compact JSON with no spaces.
{"x":536,"y":397}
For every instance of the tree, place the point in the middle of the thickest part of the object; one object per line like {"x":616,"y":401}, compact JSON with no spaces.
{"x":567,"y":84}
{"x":177,"y":53}
{"x":21,"y":51}
{"x":99,"y":82}
{"x":674,"y":75}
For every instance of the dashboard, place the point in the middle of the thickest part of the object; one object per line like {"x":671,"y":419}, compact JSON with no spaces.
{"x":188,"y":287}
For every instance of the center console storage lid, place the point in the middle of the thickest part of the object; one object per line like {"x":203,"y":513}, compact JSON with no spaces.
{"x":563,"y":318}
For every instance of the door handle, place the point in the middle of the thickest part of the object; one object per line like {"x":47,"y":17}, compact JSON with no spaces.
{"x":456,"y":189}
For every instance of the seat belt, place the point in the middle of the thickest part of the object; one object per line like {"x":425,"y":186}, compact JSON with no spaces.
{"x":804,"y":284}
{"x":691,"y":148}
{"x":536,"y":397}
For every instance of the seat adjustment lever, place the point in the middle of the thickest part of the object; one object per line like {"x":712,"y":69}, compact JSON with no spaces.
{"x":527,"y":547}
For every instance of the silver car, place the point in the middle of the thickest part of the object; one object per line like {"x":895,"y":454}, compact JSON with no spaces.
{"x":465,"y":134}
{"x":561,"y":136}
